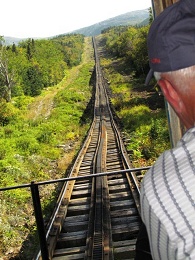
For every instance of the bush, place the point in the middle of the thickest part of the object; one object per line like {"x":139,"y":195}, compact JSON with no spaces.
{"x":8,"y":112}
{"x":27,"y":145}
{"x":135,"y":117}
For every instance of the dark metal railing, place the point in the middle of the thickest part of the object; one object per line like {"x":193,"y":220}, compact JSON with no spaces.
{"x":34,"y":187}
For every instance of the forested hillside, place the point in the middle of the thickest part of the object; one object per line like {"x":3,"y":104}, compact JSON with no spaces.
{"x":140,"y":109}
{"x":46,"y":96}
{"x":134,"y":18}
{"x":42,"y":124}
{"x":35,"y":64}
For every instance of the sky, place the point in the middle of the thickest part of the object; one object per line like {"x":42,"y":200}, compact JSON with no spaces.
{"x":45,"y":18}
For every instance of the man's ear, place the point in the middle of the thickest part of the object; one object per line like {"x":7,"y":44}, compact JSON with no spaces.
{"x":171,"y":95}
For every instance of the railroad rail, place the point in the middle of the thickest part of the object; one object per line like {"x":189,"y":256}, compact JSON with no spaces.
{"x":97,"y":217}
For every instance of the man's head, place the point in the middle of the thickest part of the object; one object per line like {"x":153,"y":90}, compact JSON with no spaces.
{"x":171,"y":38}
{"x":171,"y":50}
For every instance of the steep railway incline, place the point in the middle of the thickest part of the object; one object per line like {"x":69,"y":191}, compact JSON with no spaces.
{"x":98,"y":217}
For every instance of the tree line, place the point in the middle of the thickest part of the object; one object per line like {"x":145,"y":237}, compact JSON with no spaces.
{"x":130,"y":43}
{"x":32,"y":65}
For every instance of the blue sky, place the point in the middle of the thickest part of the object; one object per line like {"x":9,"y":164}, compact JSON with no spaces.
{"x":44,"y":18}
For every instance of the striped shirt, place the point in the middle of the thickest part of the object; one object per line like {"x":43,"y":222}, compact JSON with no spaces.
{"x":168,"y":202}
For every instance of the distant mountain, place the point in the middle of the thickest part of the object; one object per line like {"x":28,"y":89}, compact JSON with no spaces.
{"x":11,"y":40}
{"x":139,"y":17}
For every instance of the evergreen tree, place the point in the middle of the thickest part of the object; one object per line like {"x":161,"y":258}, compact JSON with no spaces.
{"x":14,"y":48}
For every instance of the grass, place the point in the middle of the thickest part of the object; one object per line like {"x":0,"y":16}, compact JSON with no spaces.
{"x":36,"y":130}
{"x":141,"y":112}
{"x":33,"y":133}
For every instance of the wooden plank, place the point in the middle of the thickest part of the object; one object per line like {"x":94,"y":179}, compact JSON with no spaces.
{"x":129,"y":228}
{"x":72,"y":239}
{"x":69,"y":251}
{"x":124,"y":243}
{"x":71,"y":227}
{"x":123,"y":204}
{"x":82,"y":209}
{"x":119,"y":187}
{"x":124,"y":212}
{"x":125,"y":220}
{"x":80,"y":193}
{"x":77,"y":218}
{"x":70,"y":257}
{"x":123,"y":195}
{"x":80,"y":201}
{"x":82,"y":186}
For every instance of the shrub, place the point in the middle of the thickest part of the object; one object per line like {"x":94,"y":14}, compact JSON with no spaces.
{"x":27,"y":145}
{"x":8,"y":112}
{"x":136,"y":116}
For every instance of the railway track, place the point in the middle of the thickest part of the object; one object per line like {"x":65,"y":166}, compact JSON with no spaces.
{"x":97,"y":217}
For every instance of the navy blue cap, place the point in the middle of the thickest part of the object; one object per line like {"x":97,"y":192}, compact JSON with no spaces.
{"x":171,"y":39}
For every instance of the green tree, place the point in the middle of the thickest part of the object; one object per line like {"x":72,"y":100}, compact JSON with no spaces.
{"x":30,"y":48}
{"x":139,"y":54}
{"x":129,"y":43}
{"x":151,"y":16}
{"x":14,"y":48}
{"x":1,"y":41}
{"x":72,"y":48}
{"x":7,"y":112}
{"x":33,"y":81}
{"x":34,"y":64}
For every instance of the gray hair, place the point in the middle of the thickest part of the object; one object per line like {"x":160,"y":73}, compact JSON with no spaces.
{"x":182,"y":79}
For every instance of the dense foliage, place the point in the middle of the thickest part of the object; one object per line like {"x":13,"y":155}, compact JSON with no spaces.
{"x":130,"y":44}
{"x":40,"y":134}
{"x":35,"y":64}
{"x":141,"y":110}
{"x":48,"y":84}
{"x":71,"y":47}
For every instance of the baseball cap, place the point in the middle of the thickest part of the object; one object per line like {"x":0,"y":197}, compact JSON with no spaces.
{"x":171,"y":39}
